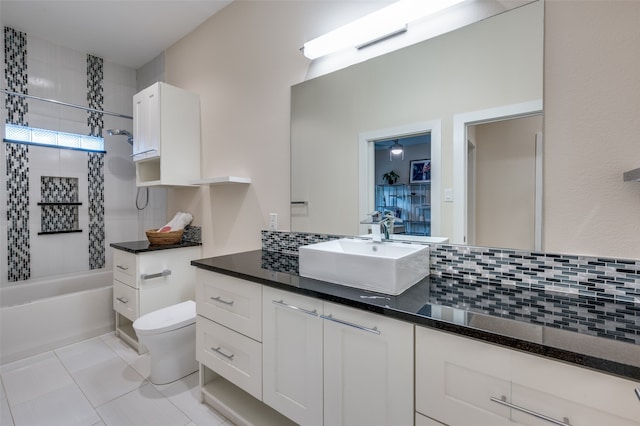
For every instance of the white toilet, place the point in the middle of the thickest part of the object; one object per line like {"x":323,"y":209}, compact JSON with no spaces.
{"x":169,"y":334}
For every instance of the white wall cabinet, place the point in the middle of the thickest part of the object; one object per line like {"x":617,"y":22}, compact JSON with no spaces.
{"x":461,"y":381}
{"x":333,"y":365}
{"x":166,"y":136}
{"x":147,"y":281}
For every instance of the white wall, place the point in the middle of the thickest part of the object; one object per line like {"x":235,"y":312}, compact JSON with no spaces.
{"x":592,"y":127}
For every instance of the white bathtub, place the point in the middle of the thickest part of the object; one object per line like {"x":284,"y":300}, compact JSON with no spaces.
{"x":43,"y":314}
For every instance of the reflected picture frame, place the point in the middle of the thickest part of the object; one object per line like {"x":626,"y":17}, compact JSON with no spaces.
{"x":420,"y":171}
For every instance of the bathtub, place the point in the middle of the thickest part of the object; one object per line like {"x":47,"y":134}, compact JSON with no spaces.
{"x":43,"y":314}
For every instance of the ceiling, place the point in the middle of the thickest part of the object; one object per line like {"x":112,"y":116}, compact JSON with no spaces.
{"x":126,"y":32}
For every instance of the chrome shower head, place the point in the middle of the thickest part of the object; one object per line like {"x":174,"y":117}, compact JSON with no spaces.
{"x":121,"y":132}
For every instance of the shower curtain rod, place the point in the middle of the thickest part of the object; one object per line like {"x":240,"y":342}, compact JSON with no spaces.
{"x":53,"y":101}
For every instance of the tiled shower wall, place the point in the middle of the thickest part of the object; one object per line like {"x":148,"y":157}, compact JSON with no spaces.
{"x":106,"y":181}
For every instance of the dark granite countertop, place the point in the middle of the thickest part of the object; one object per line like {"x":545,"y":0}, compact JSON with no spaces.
{"x":598,"y":334}
{"x":144,"y":246}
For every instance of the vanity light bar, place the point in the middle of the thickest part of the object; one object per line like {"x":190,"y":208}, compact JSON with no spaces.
{"x":376,"y":26}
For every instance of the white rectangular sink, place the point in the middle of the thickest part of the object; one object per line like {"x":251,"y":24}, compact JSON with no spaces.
{"x":387,"y":267}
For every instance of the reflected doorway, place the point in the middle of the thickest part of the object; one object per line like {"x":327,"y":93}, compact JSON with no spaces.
{"x":503,"y":180}
{"x":403,"y":182}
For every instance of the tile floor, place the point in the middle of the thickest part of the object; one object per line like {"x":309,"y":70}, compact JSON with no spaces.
{"x":99,"y":381}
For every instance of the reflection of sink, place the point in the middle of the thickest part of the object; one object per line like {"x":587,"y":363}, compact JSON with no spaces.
{"x":387,"y":267}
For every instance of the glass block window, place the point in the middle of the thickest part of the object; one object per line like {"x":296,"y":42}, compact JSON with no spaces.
{"x":43,"y":137}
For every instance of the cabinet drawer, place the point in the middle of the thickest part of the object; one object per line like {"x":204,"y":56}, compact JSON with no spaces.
{"x":230,"y":301}
{"x":558,"y":390}
{"x":426,"y":421}
{"x":125,"y":267}
{"x":456,"y":388}
{"x":125,"y":300}
{"x":232,"y":355}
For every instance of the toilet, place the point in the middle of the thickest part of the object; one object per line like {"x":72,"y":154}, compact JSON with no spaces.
{"x":169,"y":335}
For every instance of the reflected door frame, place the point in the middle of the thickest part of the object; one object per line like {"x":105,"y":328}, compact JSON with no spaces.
{"x":366,"y":167}
{"x":460,"y":154}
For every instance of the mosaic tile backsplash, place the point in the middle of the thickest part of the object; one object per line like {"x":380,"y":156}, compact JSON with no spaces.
{"x":589,"y":295}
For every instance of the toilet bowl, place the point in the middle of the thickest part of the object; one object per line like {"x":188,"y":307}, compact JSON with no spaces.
{"x":169,"y":335}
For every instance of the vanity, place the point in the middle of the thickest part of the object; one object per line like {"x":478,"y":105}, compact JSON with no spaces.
{"x":148,"y":277}
{"x":274,"y":345}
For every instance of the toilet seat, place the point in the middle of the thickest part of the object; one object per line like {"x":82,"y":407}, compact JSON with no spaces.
{"x":166,"y":319}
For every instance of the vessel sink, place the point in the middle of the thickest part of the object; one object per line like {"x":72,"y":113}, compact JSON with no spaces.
{"x":387,"y":267}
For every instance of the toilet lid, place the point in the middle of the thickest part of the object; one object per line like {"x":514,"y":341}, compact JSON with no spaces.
{"x":166,"y":319}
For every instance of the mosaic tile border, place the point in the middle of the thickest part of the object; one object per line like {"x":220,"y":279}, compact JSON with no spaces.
{"x":95,"y":96}
{"x":15,"y":75}
{"x":97,"y":253}
{"x":18,"y":238}
{"x":56,"y":218}
{"x":603,"y":278}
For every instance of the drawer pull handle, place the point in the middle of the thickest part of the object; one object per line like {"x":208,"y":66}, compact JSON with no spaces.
{"x":124,"y":268}
{"x":637,"y":390}
{"x":373,"y":330}
{"x":221,"y":300}
{"x":503,"y":401}
{"x":164,"y":273}
{"x":219,"y":351}
{"x":122,"y":299}
{"x":296,"y":308}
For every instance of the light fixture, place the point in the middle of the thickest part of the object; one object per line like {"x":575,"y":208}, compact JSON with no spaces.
{"x":396,"y":149}
{"x":376,"y":26}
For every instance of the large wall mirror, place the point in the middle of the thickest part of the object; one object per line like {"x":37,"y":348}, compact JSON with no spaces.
{"x":442,"y":86}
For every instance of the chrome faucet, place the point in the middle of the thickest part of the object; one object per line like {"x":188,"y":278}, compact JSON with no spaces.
{"x":380,"y":225}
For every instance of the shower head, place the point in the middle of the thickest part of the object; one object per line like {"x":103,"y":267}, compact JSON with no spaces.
{"x":121,"y":132}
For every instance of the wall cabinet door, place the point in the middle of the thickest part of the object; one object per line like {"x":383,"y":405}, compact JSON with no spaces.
{"x":368,"y":365}
{"x":292,"y":355}
{"x":146,"y":123}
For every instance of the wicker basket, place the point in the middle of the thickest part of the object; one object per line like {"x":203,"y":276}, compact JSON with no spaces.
{"x":164,"y":238}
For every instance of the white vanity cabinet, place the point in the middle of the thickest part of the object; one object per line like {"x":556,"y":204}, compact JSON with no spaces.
{"x":147,"y":281}
{"x":229,"y":348}
{"x":329,"y":364}
{"x":292,"y":355}
{"x":461,"y":381}
{"x":166,"y":136}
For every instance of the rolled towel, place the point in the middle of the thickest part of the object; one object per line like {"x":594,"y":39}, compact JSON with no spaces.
{"x":179,"y":221}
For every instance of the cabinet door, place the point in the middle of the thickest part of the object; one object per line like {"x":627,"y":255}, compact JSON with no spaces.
{"x":457,"y":376}
{"x":368,"y":368}
{"x":292,"y":355}
{"x":146,"y":123}
{"x":561,"y":391}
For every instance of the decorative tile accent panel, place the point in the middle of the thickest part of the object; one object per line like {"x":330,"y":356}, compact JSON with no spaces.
{"x":587,"y":315}
{"x":57,"y":218}
{"x":96,"y":210}
{"x":95,"y":97}
{"x":55,"y":189}
{"x":192,"y":234}
{"x":18,"y":246}
{"x":603,"y":278}
{"x":288,"y":242}
{"x":15,"y":75}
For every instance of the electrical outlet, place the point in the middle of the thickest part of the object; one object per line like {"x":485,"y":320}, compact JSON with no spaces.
{"x":273,"y":221}
{"x":448,"y":195}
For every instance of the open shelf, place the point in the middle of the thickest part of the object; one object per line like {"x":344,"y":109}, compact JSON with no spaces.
{"x":235,"y":404}
{"x":221,"y":180}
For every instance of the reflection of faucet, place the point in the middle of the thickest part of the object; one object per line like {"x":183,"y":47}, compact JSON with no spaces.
{"x":380,"y":225}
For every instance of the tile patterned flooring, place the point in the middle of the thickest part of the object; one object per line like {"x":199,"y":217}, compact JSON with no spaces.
{"x":99,"y":381}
